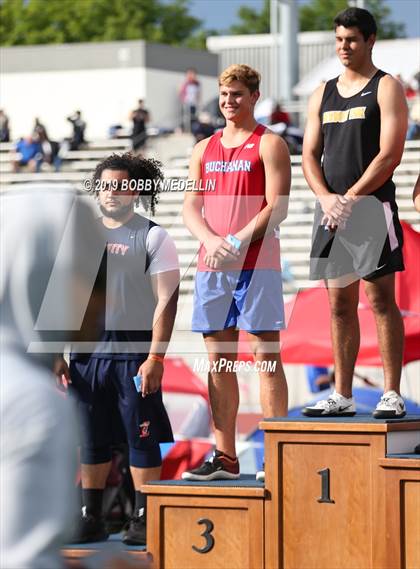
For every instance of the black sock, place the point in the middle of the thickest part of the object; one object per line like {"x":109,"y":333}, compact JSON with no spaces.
{"x":92,"y":500}
{"x":140,"y":503}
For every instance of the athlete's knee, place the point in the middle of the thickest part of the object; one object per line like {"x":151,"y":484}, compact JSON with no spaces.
{"x":220,"y":363}
{"x":270,"y":368}
{"x":381,"y":303}
{"x":343,"y":308}
{"x":149,"y":458}
{"x":97,"y":455}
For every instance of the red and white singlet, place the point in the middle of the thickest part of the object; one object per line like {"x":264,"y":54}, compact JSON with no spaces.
{"x":239,"y":195}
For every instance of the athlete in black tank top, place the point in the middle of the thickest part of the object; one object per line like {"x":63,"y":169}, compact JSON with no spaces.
{"x":354,"y":140}
{"x":351,"y":129}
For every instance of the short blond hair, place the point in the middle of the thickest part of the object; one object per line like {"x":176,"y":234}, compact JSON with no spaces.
{"x":243,"y":73}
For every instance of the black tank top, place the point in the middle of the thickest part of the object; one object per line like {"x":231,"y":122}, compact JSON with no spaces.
{"x":351,"y":128}
{"x":127,"y":315}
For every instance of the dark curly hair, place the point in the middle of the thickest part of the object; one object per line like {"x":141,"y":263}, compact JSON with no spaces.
{"x":357,"y":18}
{"x":138,"y":168}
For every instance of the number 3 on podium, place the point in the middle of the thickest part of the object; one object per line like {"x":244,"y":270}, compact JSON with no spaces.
{"x":207,"y":536}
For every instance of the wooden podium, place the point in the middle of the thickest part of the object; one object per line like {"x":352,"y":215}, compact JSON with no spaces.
{"x":340,"y":493}
{"x":206,"y":525}
{"x":399,"y":519}
{"x":79,"y":556}
{"x":331,"y":492}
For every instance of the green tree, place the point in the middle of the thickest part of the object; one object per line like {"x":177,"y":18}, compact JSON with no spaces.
{"x":317,"y":15}
{"x":27,"y":22}
{"x":252,"y":21}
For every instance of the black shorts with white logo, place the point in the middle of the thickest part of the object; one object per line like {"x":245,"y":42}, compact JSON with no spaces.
{"x":112,"y":411}
{"x":369,"y":246}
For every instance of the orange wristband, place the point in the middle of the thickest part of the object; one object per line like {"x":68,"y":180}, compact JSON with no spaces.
{"x":156,"y":358}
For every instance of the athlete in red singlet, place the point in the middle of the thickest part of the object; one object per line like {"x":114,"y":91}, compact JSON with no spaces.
{"x":238,"y":281}
{"x":239,"y":179}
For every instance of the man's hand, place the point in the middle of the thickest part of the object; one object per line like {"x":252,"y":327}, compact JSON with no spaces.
{"x":336,"y":210}
{"x":218,"y":247}
{"x":213,"y":262}
{"x":151,"y":372}
{"x":62,"y":373}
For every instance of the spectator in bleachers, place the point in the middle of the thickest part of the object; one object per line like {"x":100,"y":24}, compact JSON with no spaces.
{"x":413,"y":132}
{"x":50,"y":152}
{"x":79,"y":127}
{"x":280,"y":115}
{"x":140,"y":117}
{"x":190,"y":95}
{"x":28,"y":152}
{"x":409,"y":91}
{"x":4,"y":127}
{"x":203,"y":127}
{"x":39,"y":130}
{"x":416,"y":194}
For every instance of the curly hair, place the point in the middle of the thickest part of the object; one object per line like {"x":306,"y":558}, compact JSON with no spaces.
{"x":138,"y":168}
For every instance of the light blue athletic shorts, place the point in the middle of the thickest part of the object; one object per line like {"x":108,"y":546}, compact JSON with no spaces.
{"x":250,"y":300}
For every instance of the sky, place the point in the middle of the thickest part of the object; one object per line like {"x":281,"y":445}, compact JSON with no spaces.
{"x":220,"y":14}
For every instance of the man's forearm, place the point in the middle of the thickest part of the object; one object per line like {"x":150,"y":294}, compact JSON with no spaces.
{"x":314,"y":176}
{"x":264,"y":222}
{"x":196,"y":224}
{"x":163,"y":323}
{"x":377,"y":173}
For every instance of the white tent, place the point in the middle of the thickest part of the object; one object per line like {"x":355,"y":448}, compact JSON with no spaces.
{"x":394,"y":56}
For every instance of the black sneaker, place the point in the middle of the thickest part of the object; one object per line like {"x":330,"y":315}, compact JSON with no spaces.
{"x":218,"y":467}
{"x":90,"y":529}
{"x":135,"y":531}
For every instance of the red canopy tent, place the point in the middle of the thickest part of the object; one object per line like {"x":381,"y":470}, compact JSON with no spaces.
{"x":178,"y":377}
{"x":307,"y":339}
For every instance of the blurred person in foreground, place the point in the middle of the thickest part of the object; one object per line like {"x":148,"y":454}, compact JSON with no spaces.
{"x":47,"y":249}
{"x":354,"y":140}
{"x":136,"y":324}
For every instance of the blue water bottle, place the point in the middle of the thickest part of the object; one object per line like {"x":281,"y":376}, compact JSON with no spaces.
{"x":137,"y":382}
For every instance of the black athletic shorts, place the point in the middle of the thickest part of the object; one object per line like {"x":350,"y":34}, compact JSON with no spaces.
{"x":113,"y":412}
{"x":370,"y":245}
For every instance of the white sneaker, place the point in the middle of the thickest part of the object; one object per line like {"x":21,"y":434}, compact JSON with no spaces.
{"x":391,"y":406}
{"x":335,"y":406}
{"x":260,"y":476}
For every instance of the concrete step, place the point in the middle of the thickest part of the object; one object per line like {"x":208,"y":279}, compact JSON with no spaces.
{"x":112,"y":143}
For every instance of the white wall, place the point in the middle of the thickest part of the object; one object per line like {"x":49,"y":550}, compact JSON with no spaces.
{"x":162,"y":100}
{"x":257,"y":51}
{"x":104,"y":96}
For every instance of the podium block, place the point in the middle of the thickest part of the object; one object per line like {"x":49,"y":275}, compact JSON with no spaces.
{"x":399,"y":523}
{"x":323,"y":489}
{"x":77,"y":555}
{"x":206,"y":525}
